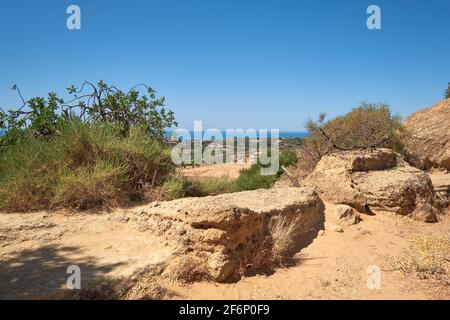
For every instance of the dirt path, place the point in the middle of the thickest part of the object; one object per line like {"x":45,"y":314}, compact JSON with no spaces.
{"x":37,"y":248}
{"x":230,"y":170}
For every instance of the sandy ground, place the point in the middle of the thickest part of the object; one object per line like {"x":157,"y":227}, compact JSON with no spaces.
{"x":37,"y":248}
{"x":335,"y":266}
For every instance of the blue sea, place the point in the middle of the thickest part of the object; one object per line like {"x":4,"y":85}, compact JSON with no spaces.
{"x":283,"y":134}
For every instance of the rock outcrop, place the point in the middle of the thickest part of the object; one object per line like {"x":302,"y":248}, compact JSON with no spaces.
{"x":428,"y":138}
{"x":373,"y":181}
{"x":225,"y":232}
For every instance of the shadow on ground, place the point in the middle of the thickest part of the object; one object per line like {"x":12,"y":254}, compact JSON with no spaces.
{"x":35,"y":272}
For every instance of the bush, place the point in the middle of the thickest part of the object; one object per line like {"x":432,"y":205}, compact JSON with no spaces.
{"x":179,"y":187}
{"x":288,"y":158}
{"x":101,"y":148}
{"x":447,"y":92}
{"x":84,"y":166}
{"x":91,"y":103}
{"x":251,"y":179}
{"x":212,"y":186}
{"x":365,"y":127}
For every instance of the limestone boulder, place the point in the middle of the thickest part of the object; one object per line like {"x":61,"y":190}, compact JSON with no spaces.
{"x":224,"y":232}
{"x":372,"y":181}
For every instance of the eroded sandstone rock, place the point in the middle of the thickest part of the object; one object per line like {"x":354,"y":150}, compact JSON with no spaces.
{"x":372,"y":181}
{"x":428,"y":138}
{"x":226,"y":231}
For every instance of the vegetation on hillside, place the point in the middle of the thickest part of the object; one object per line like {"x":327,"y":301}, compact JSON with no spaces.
{"x":102,"y":147}
{"x":249,"y":179}
{"x":447,"y":92}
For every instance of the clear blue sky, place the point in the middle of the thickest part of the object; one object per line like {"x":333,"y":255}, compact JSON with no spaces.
{"x":261,"y":64}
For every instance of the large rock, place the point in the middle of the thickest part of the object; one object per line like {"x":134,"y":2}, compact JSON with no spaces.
{"x":372,"y":181}
{"x":428,"y":138}
{"x":223,"y":232}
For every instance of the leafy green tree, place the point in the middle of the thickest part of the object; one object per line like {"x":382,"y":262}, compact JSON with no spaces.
{"x":91,"y":103}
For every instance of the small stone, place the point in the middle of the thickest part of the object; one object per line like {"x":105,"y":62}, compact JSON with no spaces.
{"x":347,"y":215}
{"x":123,"y":219}
{"x":336,"y":228}
{"x":321,"y":233}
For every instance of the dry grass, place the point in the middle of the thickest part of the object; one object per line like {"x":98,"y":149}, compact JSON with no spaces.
{"x":146,"y":287}
{"x":187,"y":269}
{"x":282,"y":233}
{"x":274,"y":250}
{"x":428,"y":258}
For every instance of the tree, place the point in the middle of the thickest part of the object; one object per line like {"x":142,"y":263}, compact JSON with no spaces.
{"x":447,"y":92}
{"x":91,"y":103}
{"x":367,"y":126}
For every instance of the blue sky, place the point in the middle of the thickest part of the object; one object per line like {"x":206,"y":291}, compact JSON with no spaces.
{"x":260,"y":64}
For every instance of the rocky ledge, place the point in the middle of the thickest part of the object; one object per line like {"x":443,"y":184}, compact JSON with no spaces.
{"x":225,"y":233}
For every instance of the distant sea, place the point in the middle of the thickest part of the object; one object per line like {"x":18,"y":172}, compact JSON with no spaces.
{"x":283,"y":134}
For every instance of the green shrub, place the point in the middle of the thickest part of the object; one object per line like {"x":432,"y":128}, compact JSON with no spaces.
{"x":366,"y":126}
{"x":91,"y":103}
{"x":178,"y":187}
{"x":212,"y":186}
{"x":84,"y":166}
{"x":288,"y":158}
{"x":251,"y":179}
